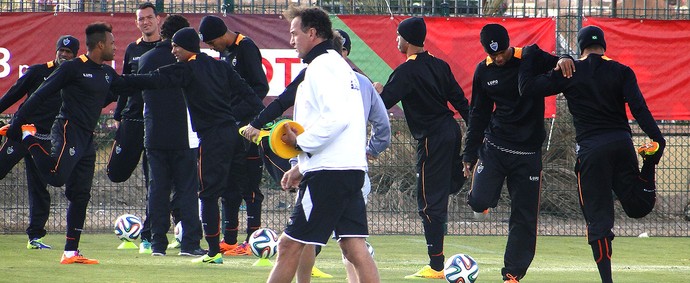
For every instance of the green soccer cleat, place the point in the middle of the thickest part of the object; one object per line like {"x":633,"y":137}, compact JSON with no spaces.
{"x":37,"y":244}
{"x":216,"y":259}
{"x":145,"y":247}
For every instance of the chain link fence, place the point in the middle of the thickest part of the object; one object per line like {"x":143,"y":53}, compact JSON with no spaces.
{"x":392,"y":203}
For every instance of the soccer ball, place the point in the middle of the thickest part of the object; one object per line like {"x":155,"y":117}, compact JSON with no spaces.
{"x":128,"y":227}
{"x":461,"y":268}
{"x":264,"y":243}
{"x":177,"y":231}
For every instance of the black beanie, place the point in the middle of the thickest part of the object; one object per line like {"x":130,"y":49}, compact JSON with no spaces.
{"x":413,"y":30}
{"x":212,"y":27}
{"x":68,"y":41}
{"x":590,"y":35}
{"x":347,"y":44}
{"x":494,"y":38}
{"x":188,"y":39}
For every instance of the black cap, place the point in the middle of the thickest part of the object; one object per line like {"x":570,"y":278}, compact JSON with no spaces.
{"x":212,"y":27}
{"x":413,"y":30}
{"x":69,"y":42}
{"x":347,"y":44}
{"x":494,"y":38}
{"x":590,"y":35}
{"x":188,"y":39}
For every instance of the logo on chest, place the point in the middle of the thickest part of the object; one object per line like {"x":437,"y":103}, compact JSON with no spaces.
{"x":492,"y":83}
{"x":87,"y":75}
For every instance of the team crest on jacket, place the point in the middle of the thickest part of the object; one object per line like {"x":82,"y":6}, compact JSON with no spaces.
{"x":72,"y":151}
{"x":118,"y":149}
{"x":107,"y":78}
{"x":234,"y":62}
{"x":480,"y":168}
{"x":10,"y":150}
{"x":493,"y":45}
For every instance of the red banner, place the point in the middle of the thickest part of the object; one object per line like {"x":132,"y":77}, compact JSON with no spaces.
{"x":644,"y":45}
{"x":29,"y":38}
{"x":455,"y":40}
{"x":655,"y":50}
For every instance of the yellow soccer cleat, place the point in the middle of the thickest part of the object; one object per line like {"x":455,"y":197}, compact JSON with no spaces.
{"x":317,"y":273}
{"x":427,"y":273}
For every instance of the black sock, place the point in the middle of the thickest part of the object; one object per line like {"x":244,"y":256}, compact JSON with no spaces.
{"x":230,"y":234}
{"x":433,"y":232}
{"x":602,"y":250}
{"x":436,"y":261}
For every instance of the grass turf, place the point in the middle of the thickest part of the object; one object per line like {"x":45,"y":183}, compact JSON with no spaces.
{"x":558,"y":259}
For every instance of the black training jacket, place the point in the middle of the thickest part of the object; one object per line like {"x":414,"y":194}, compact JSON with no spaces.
{"x":208,"y":84}
{"x":34,"y":76}
{"x":596,"y":94}
{"x":245,"y":57}
{"x":425,"y":85}
{"x":131,"y":106}
{"x":85,"y":87}
{"x":497,"y":111}
{"x":165,"y":111}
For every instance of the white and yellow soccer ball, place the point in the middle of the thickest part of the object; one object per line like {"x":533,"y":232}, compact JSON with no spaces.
{"x":128,"y":227}
{"x":461,"y":268}
{"x":264,"y":243}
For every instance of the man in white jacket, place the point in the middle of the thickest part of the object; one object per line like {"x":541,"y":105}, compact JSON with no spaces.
{"x":331,"y":166}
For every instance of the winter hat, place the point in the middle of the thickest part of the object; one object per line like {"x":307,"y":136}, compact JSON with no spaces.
{"x":494,"y":38}
{"x":590,"y":35}
{"x":69,"y":42}
{"x":347,"y":44}
{"x":212,"y":27}
{"x":188,"y":39}
{"x":413,"y":30}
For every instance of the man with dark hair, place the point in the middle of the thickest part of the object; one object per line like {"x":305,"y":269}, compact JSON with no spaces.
{"x":380,"y":138}
{"x":209,"y":86}
{"x":129,"y":138}
{"x":12,"y":152}
{"x":331,"y":165}
{"x":597,"y":94}
{"x":425,"y":85}
{"x":243,"y":54}
{"x":171,"y":150}
{"x":84,"y":84}
{"x":505,"y":134}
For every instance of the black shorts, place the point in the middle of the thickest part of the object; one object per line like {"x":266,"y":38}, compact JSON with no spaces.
{"x":329,"y":200}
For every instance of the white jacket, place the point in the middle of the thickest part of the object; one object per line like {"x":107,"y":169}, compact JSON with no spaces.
{"x":329,"y":107}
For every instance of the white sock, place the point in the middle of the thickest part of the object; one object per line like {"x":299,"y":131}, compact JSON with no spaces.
{"x":70,"y":253}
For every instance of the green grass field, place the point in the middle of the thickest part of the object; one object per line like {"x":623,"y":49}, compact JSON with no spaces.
{"x":558,"y":259}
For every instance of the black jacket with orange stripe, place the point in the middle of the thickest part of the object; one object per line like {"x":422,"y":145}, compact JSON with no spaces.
{"x":34,"y":76}
{"x":209,"y":85}
{"x":425,"y":85}
{"x":596,"y":94}
{"x":245,"y":57}
{"x":84,"y":87}
{"x":132,"y":106}
{"x":497,"y":111}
